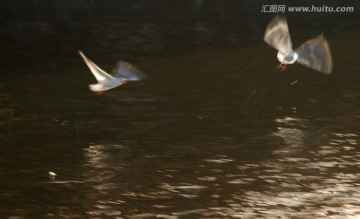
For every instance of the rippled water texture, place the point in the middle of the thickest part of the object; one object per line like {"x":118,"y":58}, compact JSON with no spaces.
{"x":216,"y":131}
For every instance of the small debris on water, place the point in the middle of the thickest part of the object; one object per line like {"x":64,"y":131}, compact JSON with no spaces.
{"x":294,"y":82}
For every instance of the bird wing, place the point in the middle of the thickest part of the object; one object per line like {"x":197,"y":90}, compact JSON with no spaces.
{"x":127,"y":71}
{"x":277,"y":35}
{"x":99,"y":74}
{"x":315,"y":53}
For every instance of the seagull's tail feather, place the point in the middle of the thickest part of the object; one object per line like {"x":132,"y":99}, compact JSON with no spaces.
{"x":315,"y":53}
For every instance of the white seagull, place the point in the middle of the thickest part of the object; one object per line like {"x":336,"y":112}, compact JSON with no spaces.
{"x":314,"y":53}
{"x":121,"y":74}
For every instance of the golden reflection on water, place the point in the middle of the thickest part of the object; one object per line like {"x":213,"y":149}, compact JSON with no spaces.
{"x":317,"y":182}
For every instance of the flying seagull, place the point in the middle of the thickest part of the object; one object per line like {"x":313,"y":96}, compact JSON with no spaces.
{"x":314,"y":53}
{"x":121,"y":74}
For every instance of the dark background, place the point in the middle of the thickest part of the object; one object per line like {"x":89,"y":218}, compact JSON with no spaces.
{"x":149,"y":9}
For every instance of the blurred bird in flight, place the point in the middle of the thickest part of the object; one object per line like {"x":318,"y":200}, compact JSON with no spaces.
{"x":121,"y":74}
{"x":314,"y":53}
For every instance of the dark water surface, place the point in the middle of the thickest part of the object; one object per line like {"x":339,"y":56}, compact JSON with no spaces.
{"x":214,"y":132}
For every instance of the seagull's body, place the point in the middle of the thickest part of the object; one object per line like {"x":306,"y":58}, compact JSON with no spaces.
{"x":121,"y":74}
{"x":314,"y":53}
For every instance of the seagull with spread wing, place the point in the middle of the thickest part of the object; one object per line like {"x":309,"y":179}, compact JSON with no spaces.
{"x":314,"y":53}
{"x":121,"y":74}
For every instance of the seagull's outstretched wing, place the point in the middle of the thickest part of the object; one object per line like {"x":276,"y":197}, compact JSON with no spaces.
{"x":99,"y":74}
{"x":127,"y":71}
{"x":315,"y":53}
{"x":277,"y":35}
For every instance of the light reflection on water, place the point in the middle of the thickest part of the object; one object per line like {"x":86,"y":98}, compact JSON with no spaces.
{"x":181,"y":144}
{"x":293,"y":185}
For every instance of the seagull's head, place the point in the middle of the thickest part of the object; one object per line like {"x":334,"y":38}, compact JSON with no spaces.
{"x":289,"y":58}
